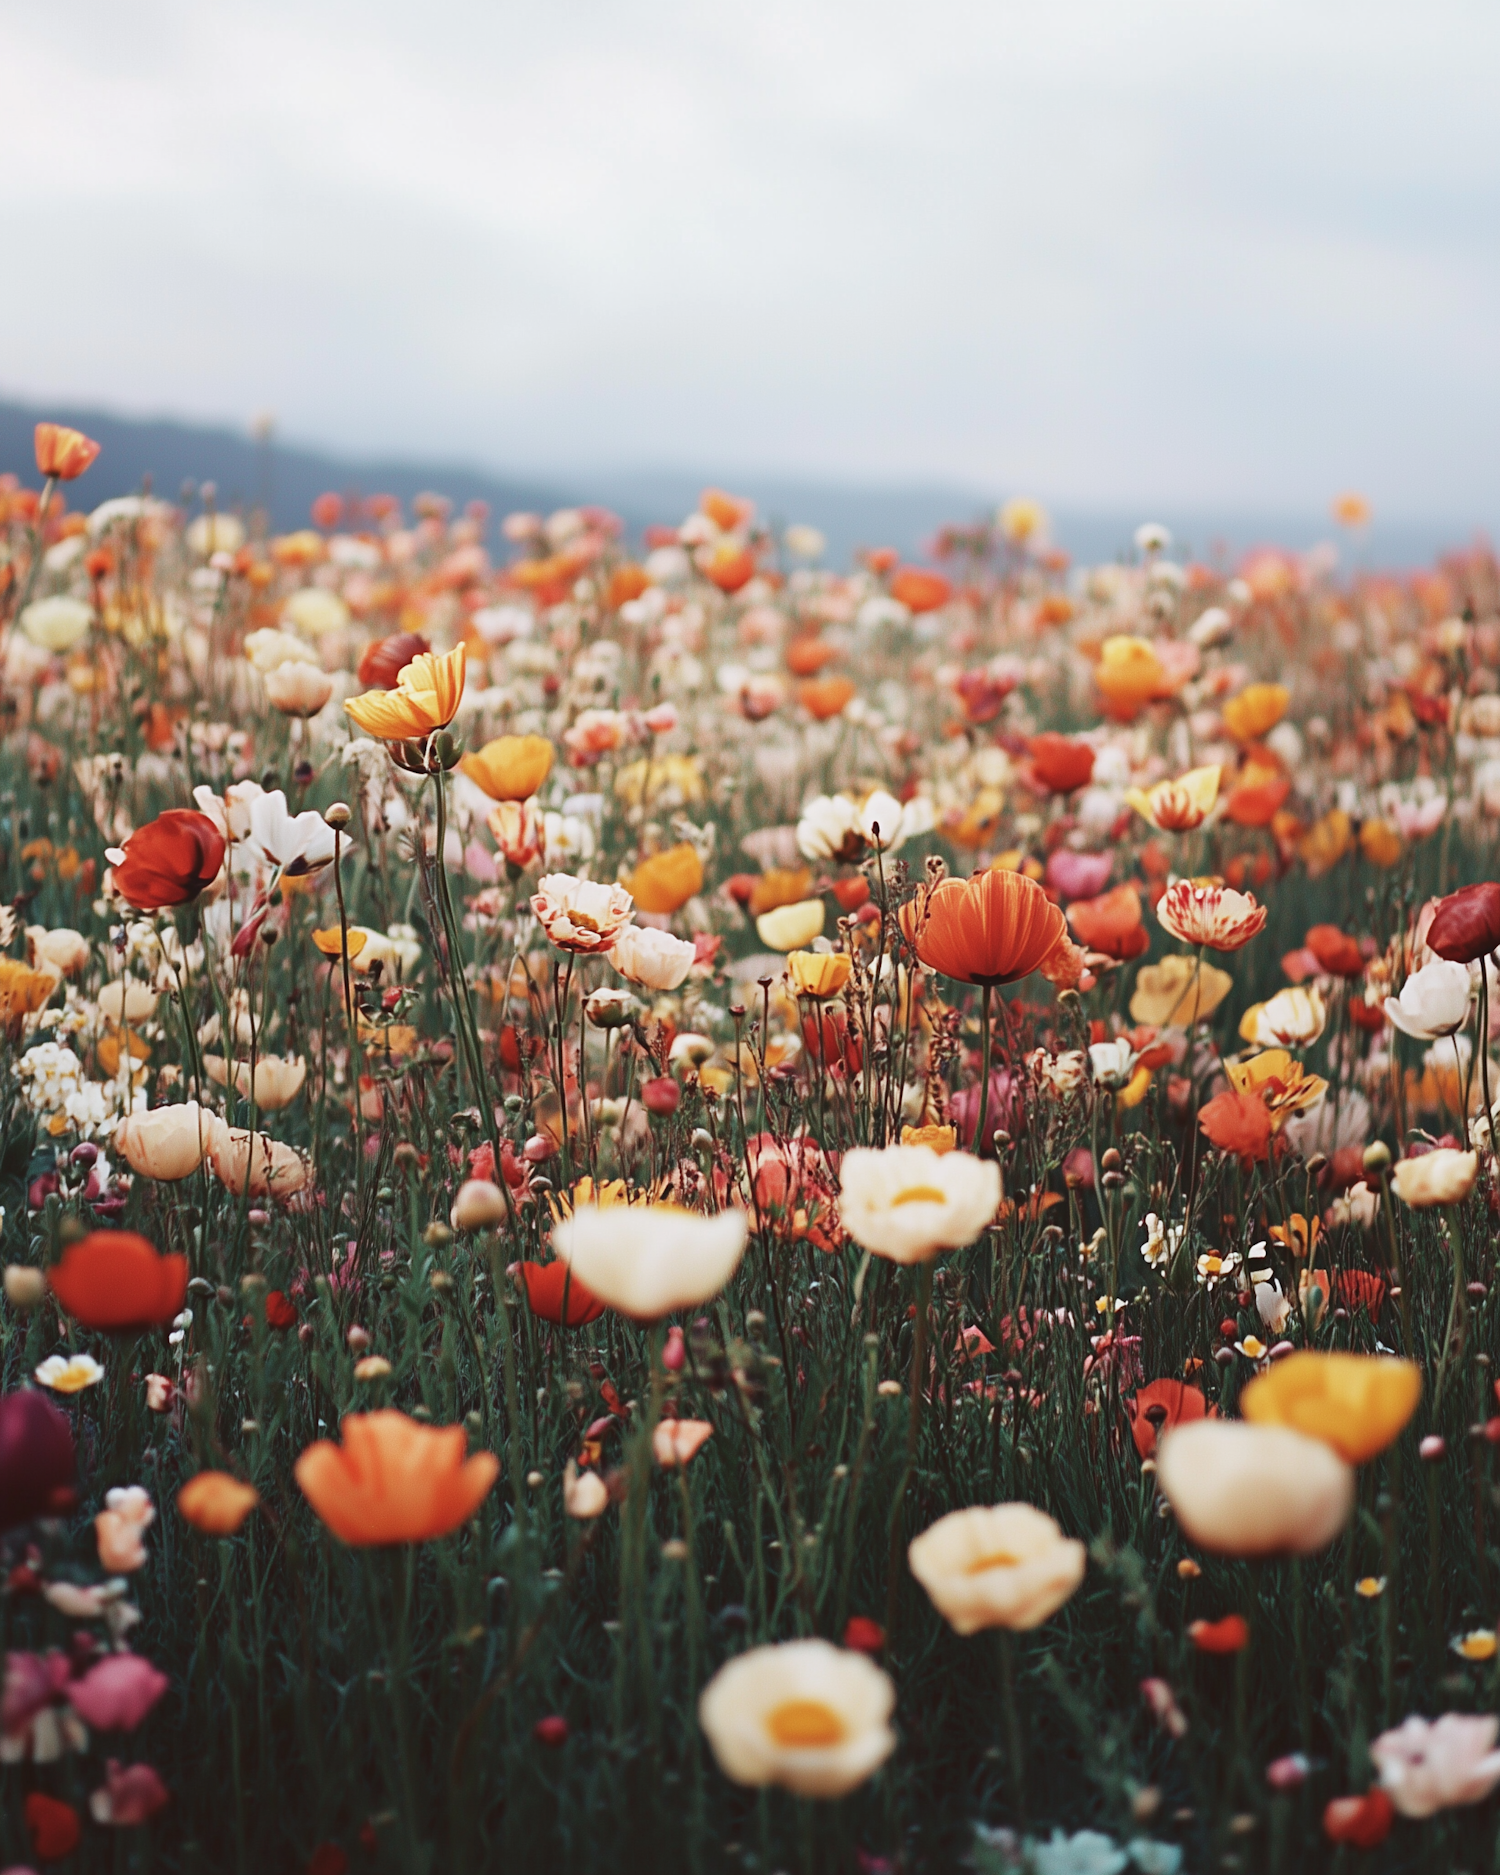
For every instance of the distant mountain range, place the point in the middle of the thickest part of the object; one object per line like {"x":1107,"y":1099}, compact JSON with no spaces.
{"x":285,"y":477}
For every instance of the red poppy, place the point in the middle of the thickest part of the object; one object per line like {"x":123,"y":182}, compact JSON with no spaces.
{"x":1354,"y":1289}
{"x":831,"y":1043}
{"x":1337,"y":954}
{"x":383,"y":662}
{"x":1059,"y":763}
{"x":994,"y":928}
{"x":328,"y":1858}
{"x":1253,"y":803}
{"x":327,"y":510}
{"x":170,"y":860}
{"x":114,"y":1280}
{"x":864,"y":1636}
{"x":1111,"y":924}
{"x":920,"y":590}
{"x":1364,"y":1821}
{"x":281,"y":1311}
{"x":1238,"y":1123}
{"x":851,"y":893}
{"x":53,"y":1825}
{"x":1466,"y":924}
{"x":545,"y":1284}
{"x":37,"y":1466}
{"x":1220,"y":1637}
{"x":551,"y":1731}
{"x":62,"y":453}
{"x":1156,"y":1409}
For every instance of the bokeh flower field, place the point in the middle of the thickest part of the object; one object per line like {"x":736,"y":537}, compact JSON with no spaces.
{"x":666,"y":1208}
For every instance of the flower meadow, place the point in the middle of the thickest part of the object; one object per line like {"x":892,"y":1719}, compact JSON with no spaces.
{"x":666,"y":1207}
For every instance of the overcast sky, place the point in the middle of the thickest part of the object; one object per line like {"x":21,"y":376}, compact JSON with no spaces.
{"x":1111,"y":251}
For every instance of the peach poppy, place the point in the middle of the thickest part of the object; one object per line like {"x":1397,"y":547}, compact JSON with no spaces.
{"x":555,"y":1295}
{"x":1129,"y":675}
{"x":676,"y":1441}
{"x":394,"y":1480}
{"x":727,"y":565}
{"x":1155,"y":1409}
{"x":920,"y":590}
{"x":216,"y":1503}
{"x":807,"y":654}
{"x":1060,"y":763}
{"x":825,"y":697}
{"x":1238,"y":1123}
{"x":511,"y":768}
{"x":994,"y":928}
{"x":382,"y":662}
{"x":627,"y":582}
{"x":1338,"y":955}
{"x":664,"y":883}
{"x":63,"y":454}
{"x":1111,"y":924}
{"x":114,"y":1280}
{"x":727,"y":512}
{"x":426,"y":698}
{"x":1257,"y":709}
{"x":779,"y":886}
{"x":170,"y":861}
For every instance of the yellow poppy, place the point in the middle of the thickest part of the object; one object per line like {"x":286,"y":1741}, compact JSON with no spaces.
{"x":426,"y":698}
{"x":1356,"y":1403}
{"x":511,"y":768}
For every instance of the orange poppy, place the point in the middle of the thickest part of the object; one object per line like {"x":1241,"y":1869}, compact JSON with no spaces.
{"x":426,"y":698}
{"x":627,"y":582}
{"x":1356,"y":1403}
{"x":1258,"y":708}
{"x":1059,"y":763}
{"x":994,"y":928}
{"x":1129,"y":675}
{"x":665,"y":882}
{"x":727,"y":512}
{"x":511,"y":768}
{"x":1226,"y":1636}
{"x":1337,"y":954}
{"x":62,"y":453}
{"x":114,"y":1280}
{"x":547,"y":1284}
{"x":1238,"y":1123}
{"x":1111,"y":924}
{"x":1254,"y":801}
{"x":728,"y":566}
{"x":216,"y":1503}
{"x":780,"y":886}
{"x":806,"y":655}
{"x":394,"y":1480}
{"x":1156,"y":1409}
{"x":170,"y":861}
{"x":22,"y":992}
{"x":381,"y":665}
{"x":825,"y":697}
{"x":920,"y":590}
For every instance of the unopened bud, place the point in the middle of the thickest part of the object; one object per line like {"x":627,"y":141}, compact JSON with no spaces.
{"x":339,"y":815}
{"x":25,"y":1288}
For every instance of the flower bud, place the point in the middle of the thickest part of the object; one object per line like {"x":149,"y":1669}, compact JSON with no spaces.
{"x":25,"y":1288}
{"x":339,"y":815}
{"x":674,"y":1353}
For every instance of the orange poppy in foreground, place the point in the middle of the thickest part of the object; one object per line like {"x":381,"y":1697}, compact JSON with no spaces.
{"x":170,"y":861}
{"x":545,"y":1285}
{"x":394,"y":1480}
{"x":1238,"y":1123}
{"x":994,"y":928}
{"x":114,"y":1280}
{"x":426,"y":698}
{"x":62,"y":453}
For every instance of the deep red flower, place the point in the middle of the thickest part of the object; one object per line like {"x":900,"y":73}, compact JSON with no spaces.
{"x":1111,"y":924}
{"x":170,"y":860}
{"x":1156,"y":1409}
{"x":1338,"y":954}
{"x":53,"y":1826}
{"x":1364,"y":1821}
{"x":1238,"y":1123}
{"x":383,"y":662}
{"x":1466,"y":924}
{"x":114,"y":1280}
{"x":551,"y":1731}
{"x":544,"y":1284}
{"x":328,"y":1858}
{"x":281,"y":1311}
{"x":1227,"y":1636}
{"x":864,"y":1636}
{"x":1354,"y":1289}
{"x":36,"y":1459}
{"x":1059,"y":763}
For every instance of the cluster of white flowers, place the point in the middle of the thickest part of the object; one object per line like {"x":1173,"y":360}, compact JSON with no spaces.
{"x":53,"y":1085}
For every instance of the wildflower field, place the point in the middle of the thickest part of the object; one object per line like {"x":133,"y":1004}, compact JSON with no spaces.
{"x":668,"y":1208}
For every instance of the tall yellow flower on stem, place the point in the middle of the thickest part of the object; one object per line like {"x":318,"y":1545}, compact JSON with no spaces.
{"x":425,"y":699}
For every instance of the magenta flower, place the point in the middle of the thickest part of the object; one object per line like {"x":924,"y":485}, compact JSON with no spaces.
{"x":1079,"y":875}
{"x":117,"y":1693}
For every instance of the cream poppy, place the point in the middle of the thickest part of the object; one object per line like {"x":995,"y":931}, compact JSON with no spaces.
{"x":996,"y":1566}
{"x":807,"y":1715}
{"x":165,"y":1143}
{"x":1254,"y":1490}
{"x":648,"y":1259}
{"x":907,"y":1203}
{"x":791,"y":927}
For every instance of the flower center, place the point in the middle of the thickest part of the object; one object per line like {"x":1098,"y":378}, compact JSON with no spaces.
{"x":996,"y":1559}
{"x":920,"y":1194}
{"x":803,"y":1723}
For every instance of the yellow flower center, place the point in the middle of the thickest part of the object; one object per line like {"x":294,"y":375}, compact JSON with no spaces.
{"x":800,"y":1724}
{"x":996,"y":1559}
{"x":920,"y":1194}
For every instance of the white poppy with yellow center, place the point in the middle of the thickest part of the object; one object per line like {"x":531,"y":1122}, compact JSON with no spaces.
{"x":69,"y":1373}
{"x":907,"y":1203}
{"x":647,"y":1260}
{"x":996,"y":1566}
{"x":807,"y":1715}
